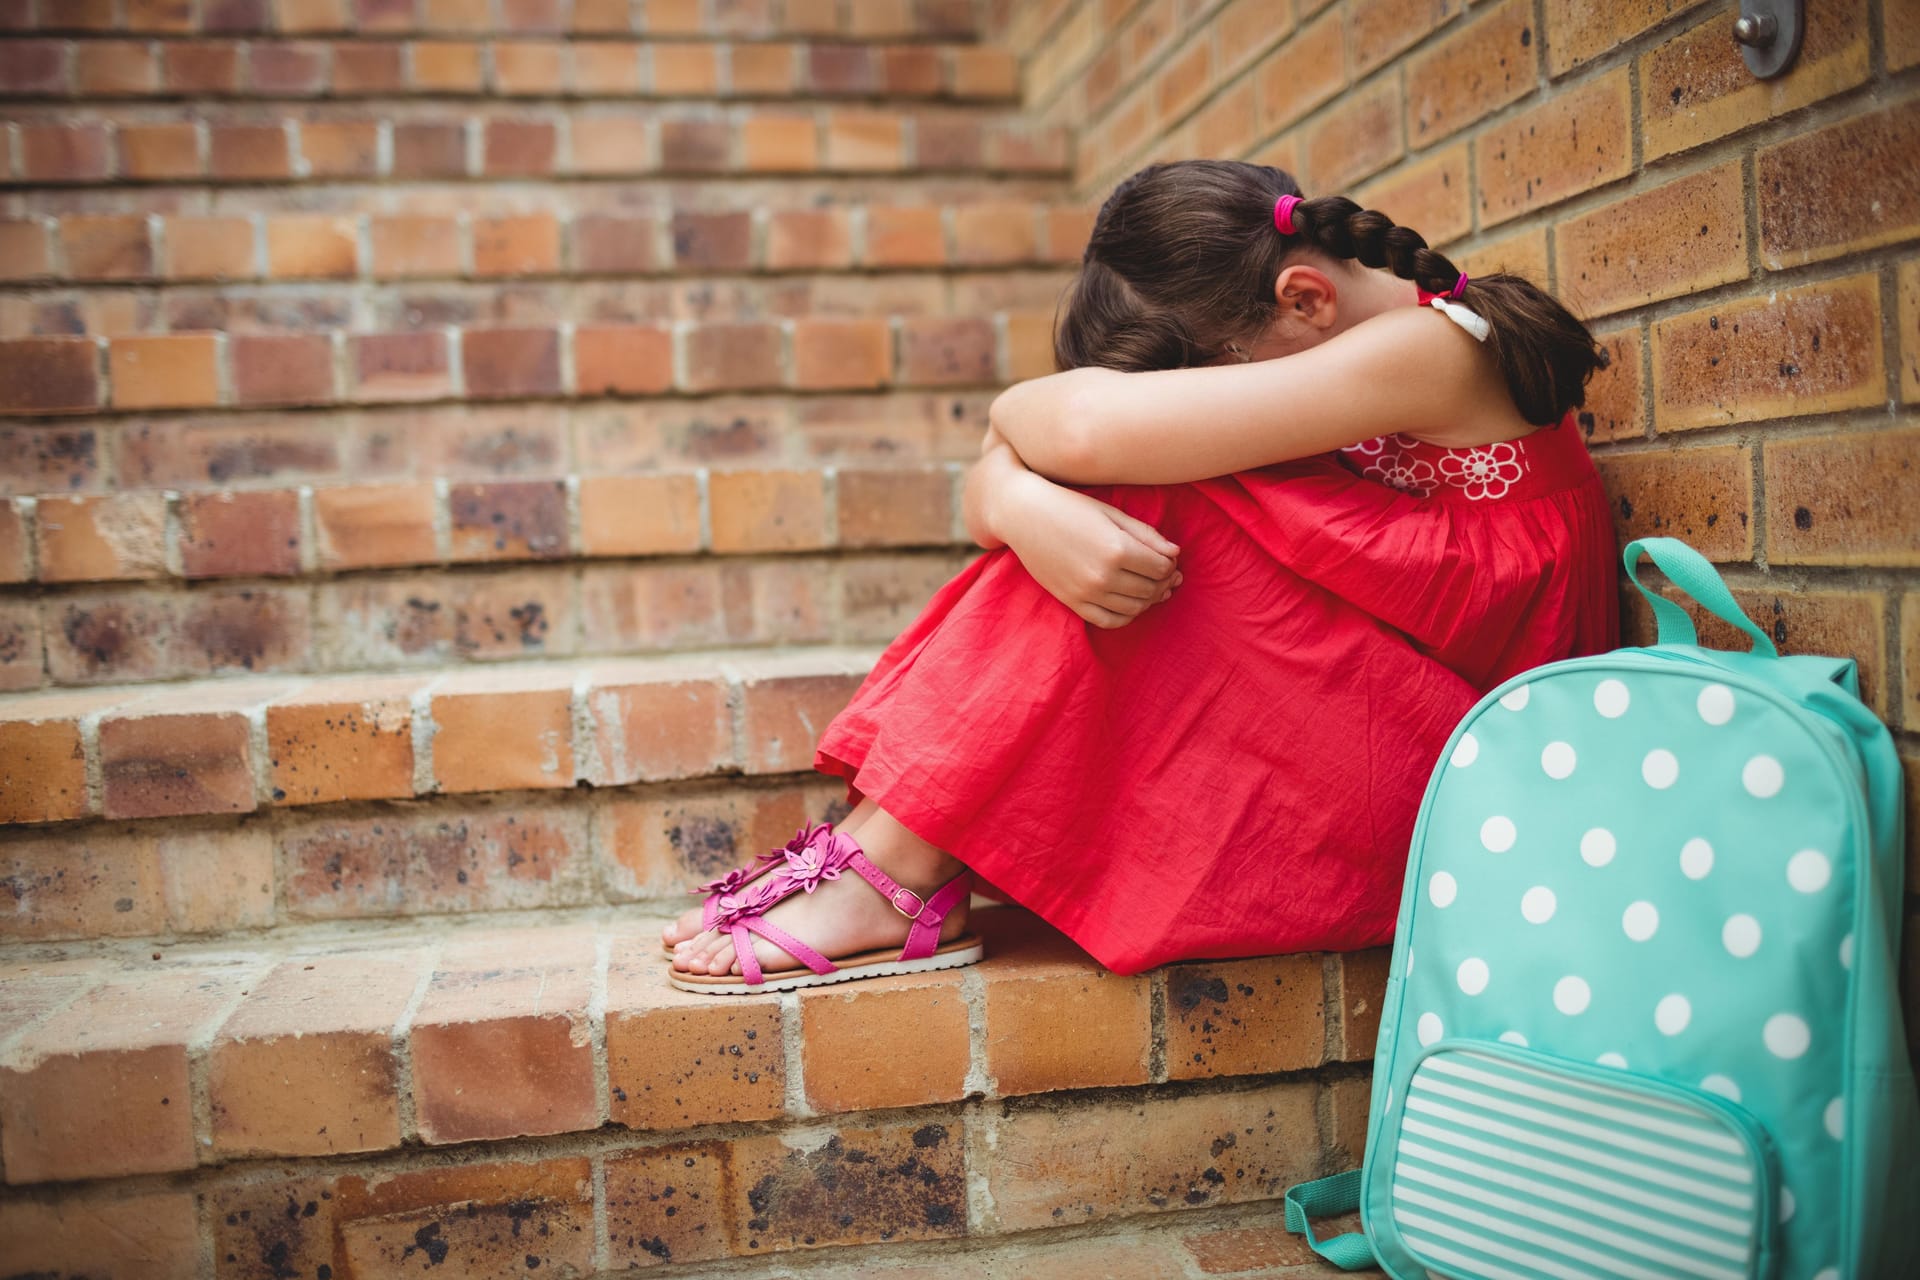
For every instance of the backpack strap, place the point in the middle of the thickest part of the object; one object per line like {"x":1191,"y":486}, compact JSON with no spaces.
{"x":1323,"y":1199}
{"x":1690,"y":571}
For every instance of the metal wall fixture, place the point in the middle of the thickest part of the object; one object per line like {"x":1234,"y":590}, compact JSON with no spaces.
{"x":1768,"y":33}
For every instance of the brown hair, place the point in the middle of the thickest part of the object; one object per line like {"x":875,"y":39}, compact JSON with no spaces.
{"x":1183,"y":258}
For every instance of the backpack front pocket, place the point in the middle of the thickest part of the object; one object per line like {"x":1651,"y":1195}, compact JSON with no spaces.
{"x":1511,"y":1163}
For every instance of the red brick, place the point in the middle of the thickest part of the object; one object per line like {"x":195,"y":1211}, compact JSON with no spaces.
{"x":42,"y":757}
{"x":676,"y":1059}
{"x":994,"y":233}
{"x":374,"y":526}
{"x":100,"y":1088}
{"x":342,"y":740}
{"x":626,"y":360}
{"x":1229,"y":123}
{"x":1522,"y":253}
{"x":414,"y":245}
{"x":1432,"y":195}
{"x":1808,"y":350}
{"x":281,"y":368}
{"x":1182,"y":80}
{"x":164,"y":371}
{"x":1572,"y":142}
{"x":160,"y":765}
{"x":657,"y":722}
{"x":64,"y":153}
{"x":608,"y":244}
{"x":809,"y":239}
{"x":949,"y":140}
{"x":1358,"y":137}
{"x":1175,"y":1153}
{"x":49,"y":375}
{"x":159,"y":151}
{"x":1489,"y":63}
{"x":889,"y":1042}
{"x":1245,"y":1017}
{"x":1869,"y":192}
{"x":936,"y":351}
{"x":287,"y":69}
{"x":248,"y":152}
{"x":445,"y":66}
{"x":500,"y":1043}
{"x":896,"y":507}
{"x":1683,"y":237}
{"x":605,"y":69}
{"x":200,"y":66}
{"x":653,"y":845}
{"x":408,"y":621}
{"x":986,"y":71}
{"x":240,"y":533}
{"x":1615,"y":407}
{"x":235,"y":15}
{"x":503,"y":731}
{"x":904,"y":237}
{"x":1844,"y":499}
{"x":530,"y":68}
{"x":767,"y":510}
{"x":786,"y":703}
{"x":916,"y":71}
{"x":312,"y":247}
{"x":510,"y":363}
{"x":26,"y":250}
{"x":311,"y":15}
{"x":98,"y":538}
{"x":611,"y":144}
{"x":366,"y":69}
{"x":684,"y":70}
{"x":341,"y":148}
{"x":97,"y":885}
{"x":695,"y":146}
{"x":732,"y":357}
{"x":604,"y":17}
{"x":429,"y":149}
{"x":1379,"y":29}
{"x":306,"y":1065}
{"x":407,"y":863}
{"x":456,"y":15}
{"x":517,"y":148}
{"x":401,"y":366}
{"x":841,"y":354}
{"x":1900,"y":33}
{"x":1696,"y":87}
{"x":115,"y":68}
{"x":712,"y":241}
{"x":865,"y":141}
{"x":1029,"y":975}
{"x":1579,"y":32}
{"x":34,"y":68}
{"x":1909,"y":329}
{"x":643,"y":515}
{"x":89,"y":1235}
{"x":1358,"y":992}
{"x":528,"y":245}
{"x":209,"y":249}
{"x":911,"y":1186}
{"x":14,"y":567}
{"x":1703,"y":495}
{"x":532,"y":15}
{"x":508,"y":520}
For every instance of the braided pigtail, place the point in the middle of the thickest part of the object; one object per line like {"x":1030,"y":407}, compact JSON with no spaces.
{"x":1545,"y":354}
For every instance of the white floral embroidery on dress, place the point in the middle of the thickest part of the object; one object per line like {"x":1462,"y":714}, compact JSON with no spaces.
{"x":1390,"y":460}
{"x":1484,"y":471}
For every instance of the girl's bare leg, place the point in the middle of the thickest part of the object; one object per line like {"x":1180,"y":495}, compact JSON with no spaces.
{"x":842,"y":916}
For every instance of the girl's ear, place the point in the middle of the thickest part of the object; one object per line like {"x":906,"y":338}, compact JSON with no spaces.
{"x":1307,"y":295}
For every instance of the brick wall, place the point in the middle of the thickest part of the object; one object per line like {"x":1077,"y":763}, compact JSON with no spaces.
{"x":1746,"y":249}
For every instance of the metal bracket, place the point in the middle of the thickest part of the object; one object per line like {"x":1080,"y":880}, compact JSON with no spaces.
{"x":1768,"y":33}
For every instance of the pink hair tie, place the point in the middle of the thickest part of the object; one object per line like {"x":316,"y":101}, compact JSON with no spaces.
{"x":1283,"y":213}
{"x":1459,"y":285}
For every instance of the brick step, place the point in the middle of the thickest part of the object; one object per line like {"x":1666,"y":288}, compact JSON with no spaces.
{"x":211,"y":369}
{"x":664,"y":19}
{"x":463,"y":442}
{"x":612,"y":66}
{"x":220,"y":144}
{"x":374,"y":1076}
{"x":524,"y":244}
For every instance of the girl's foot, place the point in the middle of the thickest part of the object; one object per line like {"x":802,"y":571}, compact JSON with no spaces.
{"x":689,"y":924}
{"x":840,"y":917}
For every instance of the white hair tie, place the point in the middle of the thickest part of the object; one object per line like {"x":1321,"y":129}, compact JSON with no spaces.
{"x":1472,"y":321}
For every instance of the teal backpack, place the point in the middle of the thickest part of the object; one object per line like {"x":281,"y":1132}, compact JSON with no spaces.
{"x":1641,"y":1019}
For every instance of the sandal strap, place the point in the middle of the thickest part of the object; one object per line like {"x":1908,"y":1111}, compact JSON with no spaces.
{"x":927,"y":914}
{"x":786,"y":942}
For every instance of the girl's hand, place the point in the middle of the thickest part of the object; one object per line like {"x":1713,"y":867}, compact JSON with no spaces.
{"x":1102,"y":563}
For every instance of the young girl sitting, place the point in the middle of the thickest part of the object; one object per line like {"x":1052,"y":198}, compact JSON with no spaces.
{"x":1190,"y":705}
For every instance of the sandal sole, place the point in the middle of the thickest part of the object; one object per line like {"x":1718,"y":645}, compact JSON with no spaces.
{"x":957,"y":954}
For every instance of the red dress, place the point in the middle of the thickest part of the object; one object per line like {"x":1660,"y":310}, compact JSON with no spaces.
{"x":1237,"y":771}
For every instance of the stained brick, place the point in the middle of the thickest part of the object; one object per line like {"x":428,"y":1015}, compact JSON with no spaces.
{"x":1806,"y":350}
{"x":312,"y":247}
{"x":100,"y":1088}
{"x":281,"y":368}
{"x":1683,"y":237}
{"x":364,"y":68}
{"x":642,"y":515}
{"x":732,"y":357}
{"x":1111,"y":1159}
{"x":1432,"y":195}
{"x":235,"y":15}
{"x":306,"y":1065}
{"x":1359,"y":991}
{"x":508,"y":520}
{"x":64,"y":153}
{"x":106,"y":248}
{"x":786,"y":703}
{"x":652,"y":845}
{"x":675,"y":1059}
{"x":516,"y":246}
{"x":238,"y":533}
{"x":1868,"y":192}
{"x":401,"y":366}
{"x":915,"y":71}
{"x":158,"y":151}
{"x":1844,"y":499}
{"x":888,"y":1042}
{"x":937,"y":351}
{"x":429,"y":149}
{"x":1572,"y":142}
{"x":292,"y":68}
{"x":49,"y":375}
{"x":1696,"y":87}
{"x":209,"y":249}
{"x":1029,"y":975}
{"x":1379,"y":29}
{"x":767,"y":510}
{"x":503,"y":730}
{"x":712,"y":241}
{"x":389,"y":622}
{"x":1487,"y":64}
{"x":1703,"y":495}
{"x":500,"y":1045}
{"x":907,"y":236}
{"x":166,"y":762}
{"x":690,"y":146}
{"x":508,"y":363}
{"x":345,"y":740}
{"x":34,"y":68}
{"x":96,"y":538}
{"x":1615,"y":406}
{"x":863,"y":1185}
{"x":341,"y":148}
{"x":164,"y":371}
{"x":248,"y":152}
{"x":1245,"y":1017}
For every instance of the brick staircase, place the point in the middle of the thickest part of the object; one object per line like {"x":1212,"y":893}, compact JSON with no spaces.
{"x":455,"y":455}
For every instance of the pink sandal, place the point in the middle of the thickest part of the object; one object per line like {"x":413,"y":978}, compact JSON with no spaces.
{"x":740,"y":900}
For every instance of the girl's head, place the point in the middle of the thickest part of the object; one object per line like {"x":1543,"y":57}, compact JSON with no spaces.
{"x":1185,"y":266}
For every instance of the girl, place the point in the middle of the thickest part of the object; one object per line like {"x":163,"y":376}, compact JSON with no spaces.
{"x":1284,"y":580}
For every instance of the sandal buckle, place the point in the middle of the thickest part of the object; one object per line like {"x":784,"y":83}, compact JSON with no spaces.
{"x":919,"y":903}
